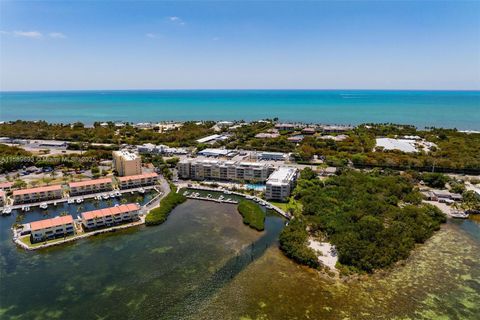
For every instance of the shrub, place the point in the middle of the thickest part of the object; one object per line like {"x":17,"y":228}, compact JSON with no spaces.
{"x":252,"y":214}
{"x":167,"y":204}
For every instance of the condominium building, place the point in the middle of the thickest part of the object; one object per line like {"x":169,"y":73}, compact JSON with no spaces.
{"x":90,"y":186}
{"x":6,"y":185}
{"x":199,"y":169}
{"x":3,"y":198}
{"x":276,"y":156}
{"x":140,"y":180}
{"x":281,"y":183}
{"x":126,"y":163}
{"x":51,"y":228}
{"x":110,"y":216}
{"x":37,"y":194}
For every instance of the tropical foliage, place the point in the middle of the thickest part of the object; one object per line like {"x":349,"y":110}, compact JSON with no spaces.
{"x":374,"y":219}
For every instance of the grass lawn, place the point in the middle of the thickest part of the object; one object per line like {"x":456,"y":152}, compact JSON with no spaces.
{"x":26,"y":240}
{"x":292,"y":205}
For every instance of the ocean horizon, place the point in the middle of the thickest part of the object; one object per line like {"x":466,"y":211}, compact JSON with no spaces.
{"x":423,"y":108}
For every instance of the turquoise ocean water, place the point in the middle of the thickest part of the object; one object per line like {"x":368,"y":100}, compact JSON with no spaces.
{"x":451,"y":109}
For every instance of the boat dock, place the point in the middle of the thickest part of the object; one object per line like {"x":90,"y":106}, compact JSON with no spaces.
{"x":227,"y":192}
{"x":80,"y":198}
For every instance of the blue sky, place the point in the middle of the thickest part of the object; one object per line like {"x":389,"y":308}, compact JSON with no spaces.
{"x":59,"y":45}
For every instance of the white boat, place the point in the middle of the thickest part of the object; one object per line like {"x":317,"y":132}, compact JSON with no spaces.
{"x":227,"y":192}
{"x":249,"y":197}
{"x":141,"y":190}
{"x":105,"y":196}
{"x":459,"y":215}
{"x":269,"y":207}
{"x":112,"y":195}
{"x":7,"y":210}
{"x":131,"y":192}
{"x":118,"y":194}
{"x":70,"y":201}
{"x":55,"y":203}
{"x":43,"y":205}
{"x":185,"y":193}
{"x":27,"y":208}
{"x":79,"y":200}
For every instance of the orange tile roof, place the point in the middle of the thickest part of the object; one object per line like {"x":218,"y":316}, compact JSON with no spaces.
{"x":6,"y":184}
{"x":39,"y":189}
{"x":49,"y":223}
{"x":110,"y":211}
{"x":89,"y":182}
{"x":138,"y":176}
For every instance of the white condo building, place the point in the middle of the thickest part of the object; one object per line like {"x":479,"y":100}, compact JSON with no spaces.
{"x":281,"y":183}
{"x":199,"y":169}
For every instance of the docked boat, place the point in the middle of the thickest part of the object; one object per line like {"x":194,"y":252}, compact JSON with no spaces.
{"x":118,"y":194}
{"x":112,"y":195}
{"x":248,"y":197}
{"x":7,"y":210}
{"x":459,"y":215}
{"x":185,"y":193}
{"x":70,"y":201}
{"x":55,"y":203}
{"x":79,"y":200}
{"x":141,"y":190}
{"x":43,"y":205}
{"x":105,"y":196}
{"x":227,"y":192}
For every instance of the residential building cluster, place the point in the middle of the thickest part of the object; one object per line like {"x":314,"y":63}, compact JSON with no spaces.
{"x":64,"y":226}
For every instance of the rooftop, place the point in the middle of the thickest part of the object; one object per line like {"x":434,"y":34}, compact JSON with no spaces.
{"x":37,"y":190}
{"x":282,"y":175}
{"x":89,"y":182}
{"x":138,"y":176}
{"x":110,"y":211}
{"x":404,"y":145}
{"x":127,"y":155}
{"x":49,"y":223}
{"x":6,"y":184}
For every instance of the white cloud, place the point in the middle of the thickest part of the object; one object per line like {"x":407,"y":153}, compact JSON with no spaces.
{"x":176,"y":20}
{"x":57,"y":35}
{"x":28,"y":34}
{"x":152,"y":35}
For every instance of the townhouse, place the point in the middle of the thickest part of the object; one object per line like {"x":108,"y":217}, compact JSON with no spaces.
{"x":110,"y":216}
{"x":140,"y":180}
{"x":37,"y":194}
{"x":90,"y":186}
{"x":51,"y":228}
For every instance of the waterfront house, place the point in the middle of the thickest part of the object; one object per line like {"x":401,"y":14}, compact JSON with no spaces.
{"x":90,"y":186}
{"x":110,"y":216}
{"x":51,"y":228}
{"x":140,"y":180}
{"x":37,"y":194}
